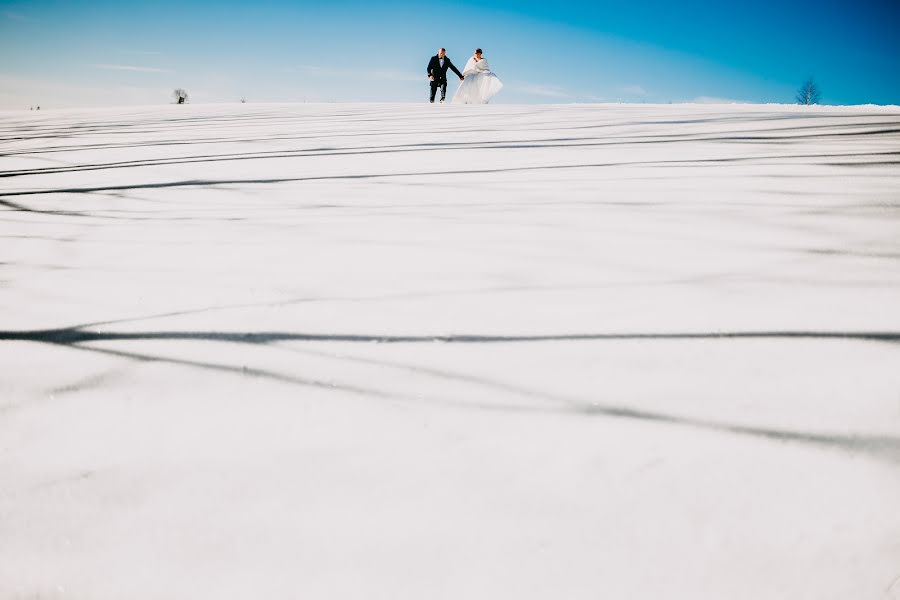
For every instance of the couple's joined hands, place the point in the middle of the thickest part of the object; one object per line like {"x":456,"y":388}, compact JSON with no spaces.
{"x":431,"y":78}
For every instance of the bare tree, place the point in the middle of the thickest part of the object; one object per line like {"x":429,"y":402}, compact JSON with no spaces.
{"x":181,"y":96}
{"x":809,"y":92}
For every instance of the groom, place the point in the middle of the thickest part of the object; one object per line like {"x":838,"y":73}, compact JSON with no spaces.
{"x":437,"y":73}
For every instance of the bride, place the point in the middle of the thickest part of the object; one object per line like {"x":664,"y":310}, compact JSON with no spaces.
{"x":479,"y":85}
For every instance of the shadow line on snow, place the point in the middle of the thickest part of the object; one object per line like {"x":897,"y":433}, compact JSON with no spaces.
{"x":886,"y":446}
{"x":326,"y":152}
{"x":878,"y":446}
{"x":58,"y":131}
{"x":66,"y":336}
{"x":214,"y":182}
{"x":663,"y":137}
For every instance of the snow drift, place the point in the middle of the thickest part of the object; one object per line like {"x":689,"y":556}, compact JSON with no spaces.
{"x":409,"y":351}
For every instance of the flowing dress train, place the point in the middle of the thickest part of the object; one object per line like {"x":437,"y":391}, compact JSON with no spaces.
{"x":479,"y":85}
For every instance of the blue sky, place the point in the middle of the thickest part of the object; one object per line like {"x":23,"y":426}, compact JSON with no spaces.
{"x":101,"y":53}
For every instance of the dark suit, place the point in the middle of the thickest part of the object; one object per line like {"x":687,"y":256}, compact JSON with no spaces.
{"x":440,"y":75}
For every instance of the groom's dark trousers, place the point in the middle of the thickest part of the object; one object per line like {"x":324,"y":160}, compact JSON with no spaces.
{"x":434,"y":88}
{"x":439,"y":75}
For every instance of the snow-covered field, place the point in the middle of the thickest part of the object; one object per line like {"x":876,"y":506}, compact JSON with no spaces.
{"x":446,"y":352}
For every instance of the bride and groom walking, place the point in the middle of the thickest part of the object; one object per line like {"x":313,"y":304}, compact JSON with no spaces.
{"x":478,"y":85}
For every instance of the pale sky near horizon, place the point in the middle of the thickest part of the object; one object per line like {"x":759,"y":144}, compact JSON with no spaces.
{"x":74,"y":53}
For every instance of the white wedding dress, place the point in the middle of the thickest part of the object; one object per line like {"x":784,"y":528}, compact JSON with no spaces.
{"x":479,"y":85}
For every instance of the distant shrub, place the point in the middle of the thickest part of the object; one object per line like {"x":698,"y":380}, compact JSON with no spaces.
{"x":181,"y":96}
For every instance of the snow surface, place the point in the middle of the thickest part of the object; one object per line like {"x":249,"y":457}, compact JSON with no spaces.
{"x":444,"y":352}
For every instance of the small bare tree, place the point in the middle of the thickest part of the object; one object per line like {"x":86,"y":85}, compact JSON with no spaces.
{"x":809,"y":92}
{"x":181,"y":96}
